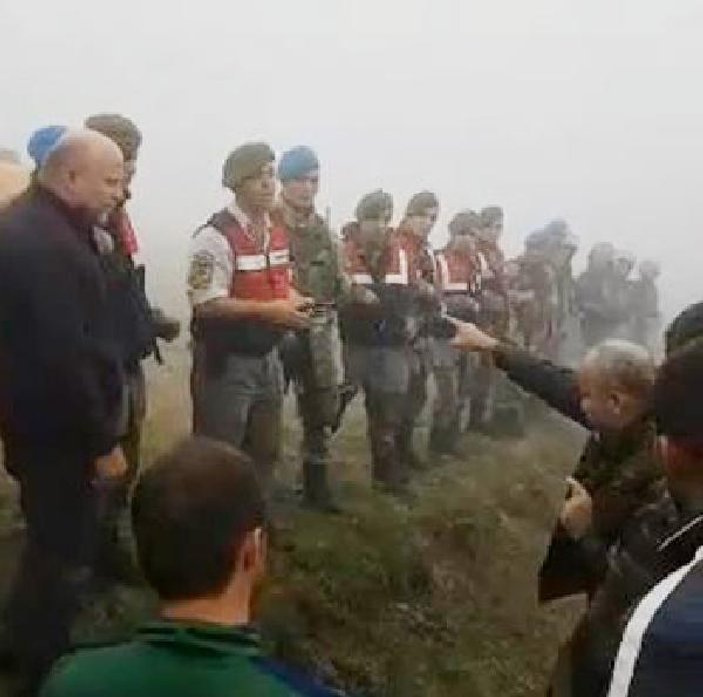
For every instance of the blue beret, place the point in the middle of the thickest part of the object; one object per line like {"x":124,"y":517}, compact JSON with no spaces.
{"x":43,"y":141}
{"x":298,"y":162}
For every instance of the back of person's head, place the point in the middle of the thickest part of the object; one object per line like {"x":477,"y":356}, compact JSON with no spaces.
{"x":193,"y":513}
{"x":616,"y":381}
{"x":686,"y":327}
{"x":678,"y":408}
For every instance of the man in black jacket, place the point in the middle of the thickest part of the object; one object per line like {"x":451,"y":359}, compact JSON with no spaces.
{"x":136,"y":327}
{"x":61,"y":387}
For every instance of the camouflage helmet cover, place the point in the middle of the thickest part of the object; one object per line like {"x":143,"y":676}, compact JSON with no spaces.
{"x":374,"y":205}
{"x":119,"y":129}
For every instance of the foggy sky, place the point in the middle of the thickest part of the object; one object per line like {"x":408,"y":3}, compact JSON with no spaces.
{"x":589,"y":111}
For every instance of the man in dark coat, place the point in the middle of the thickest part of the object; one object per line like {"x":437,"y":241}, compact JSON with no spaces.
{"x":61,"y":387}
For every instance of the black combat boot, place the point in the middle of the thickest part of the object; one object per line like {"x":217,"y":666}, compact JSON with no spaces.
{"x":317,"y":494}
{"x":411,"y":461}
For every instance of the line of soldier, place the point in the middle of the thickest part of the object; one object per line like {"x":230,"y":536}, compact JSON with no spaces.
{"x":278,"y":300}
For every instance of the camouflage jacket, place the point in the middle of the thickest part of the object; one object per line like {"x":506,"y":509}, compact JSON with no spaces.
{"x":312,"y":358}
{"x":315,"y":256}
{"x":621,"y":472}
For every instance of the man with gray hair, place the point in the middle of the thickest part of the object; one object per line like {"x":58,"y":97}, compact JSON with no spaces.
{"x":61,"y":387}
{"x":620,"y":468}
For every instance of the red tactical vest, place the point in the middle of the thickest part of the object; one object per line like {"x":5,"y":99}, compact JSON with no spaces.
{"x":260,"y":272}
{"x":457,"y":272}
{"x":391,"y":281}
{"x":396,"y":264}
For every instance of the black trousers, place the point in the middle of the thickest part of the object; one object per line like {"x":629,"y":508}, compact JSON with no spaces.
{"x":60,"y":507}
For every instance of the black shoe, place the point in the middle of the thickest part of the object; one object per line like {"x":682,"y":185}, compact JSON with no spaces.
{"x":317,"y":495}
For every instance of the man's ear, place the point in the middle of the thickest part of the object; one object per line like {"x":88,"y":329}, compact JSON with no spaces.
{"x":248,"y":552}
{"x":254,"y":551}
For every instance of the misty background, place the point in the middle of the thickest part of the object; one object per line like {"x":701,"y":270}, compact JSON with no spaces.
{"x":550,"y":108}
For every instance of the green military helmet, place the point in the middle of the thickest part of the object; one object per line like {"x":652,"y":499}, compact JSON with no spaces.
{"x":245,"y":162}
{"x":649,"y":269}
{"x":421,"y":202}
{"x":625,"y":261}
{"x":378,"y":204}
{"x":492,"y":216}
{"x":466,"y":222}
{"x":602,"y":254}
{"x":120,"y":130}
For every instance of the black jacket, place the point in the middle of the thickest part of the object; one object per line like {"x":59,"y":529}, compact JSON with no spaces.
{"x":60,"y":378}
{"x":661,"y":538}
{"x":622,"y":472}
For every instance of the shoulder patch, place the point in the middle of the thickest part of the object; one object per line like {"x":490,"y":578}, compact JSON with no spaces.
{"x":202,"y":269}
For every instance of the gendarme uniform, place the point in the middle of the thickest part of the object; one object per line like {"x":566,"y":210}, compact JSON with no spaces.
{"x":493,"y":317}
{"x":313,"y":357}
{"x":459,"y":283}
{"x":237,"y":379}
{"x":174,"y":659}
{"x":377,"y":338}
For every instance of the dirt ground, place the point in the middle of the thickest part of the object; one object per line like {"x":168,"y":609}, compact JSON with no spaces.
{"x":434,"y":598}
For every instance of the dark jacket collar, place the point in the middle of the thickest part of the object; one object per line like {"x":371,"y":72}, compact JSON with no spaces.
{"x":77,"y":218}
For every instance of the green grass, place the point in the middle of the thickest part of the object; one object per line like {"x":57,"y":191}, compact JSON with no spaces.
{"x":435,"y":598}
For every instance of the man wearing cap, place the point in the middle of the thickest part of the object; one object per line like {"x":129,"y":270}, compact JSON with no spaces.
{"x":459,"y":284}
{"x":646,"y":313}
{"x":313,"y":356}
{"x":378,"y":334}
{"x":597,"y":297}
{"x":414,"y":230}
{"x":494,"y":312}
{"x":243,"y":302}
{"x":562,"y":246}
{"x":136,"y":326}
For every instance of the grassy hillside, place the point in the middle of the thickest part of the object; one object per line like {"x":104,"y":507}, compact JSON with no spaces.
{"x":432,"y":598}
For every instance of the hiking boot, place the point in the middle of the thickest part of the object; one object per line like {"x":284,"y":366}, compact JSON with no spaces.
{"x":317,"y":495}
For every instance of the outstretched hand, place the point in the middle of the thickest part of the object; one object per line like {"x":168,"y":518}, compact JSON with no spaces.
{"x":470,"y":338}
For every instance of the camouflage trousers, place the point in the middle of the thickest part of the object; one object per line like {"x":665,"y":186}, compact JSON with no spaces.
{"x":112,"y":557}
{"x":384,"y":374}
{"x":315,"y":377}
{"x":453,"y":371}
{"x":419,"y":361}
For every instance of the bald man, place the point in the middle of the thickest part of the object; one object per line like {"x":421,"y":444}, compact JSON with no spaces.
{"x":61,"y":387}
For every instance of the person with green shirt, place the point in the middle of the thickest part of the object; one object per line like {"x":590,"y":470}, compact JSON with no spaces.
{"x":199,"y":522}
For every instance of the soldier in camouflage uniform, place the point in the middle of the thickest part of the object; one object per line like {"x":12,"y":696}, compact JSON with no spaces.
{"x":561,"y":248}
{"x":532,"y":292}
{"x":646,"y":314}
{"x":136,"y":326}
{"x":415,"y":228}
{"x":623,"y":292}
{"x":312,"y":357}
{"x":376,"y":324}
{"x":458,"y":282}
{"x":494,"y":316}
{"x":597,"y":297}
